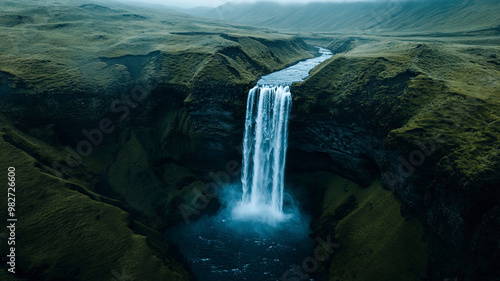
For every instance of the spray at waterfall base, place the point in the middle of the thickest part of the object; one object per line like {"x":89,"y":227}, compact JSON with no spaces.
{"x":259,"y":231}
{"x":261,"y":197}
{"x":264,"y":154}
{"x":264,"y":149}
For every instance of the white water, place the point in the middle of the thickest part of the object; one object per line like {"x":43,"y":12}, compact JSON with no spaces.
{"x":264,"y":151}
{"x":265,"y":143}
{"x":228,"y":247}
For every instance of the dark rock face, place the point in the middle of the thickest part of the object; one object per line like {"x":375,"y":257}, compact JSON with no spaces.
{"x":175,"y":106}
{"x":485,"y":245}
{"x":350,"y":126}
{"x":351,"y":150}
{"x":354,"y":117}
{"x":218,"y":115}
{"x":364,"y":121}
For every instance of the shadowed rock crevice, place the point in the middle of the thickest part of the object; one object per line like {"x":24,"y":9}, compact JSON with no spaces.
{"x":409,"y":121}
{"x":422,"y":115}
{"x":135,"y":64}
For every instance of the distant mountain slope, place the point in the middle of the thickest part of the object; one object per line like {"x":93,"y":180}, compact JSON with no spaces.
{"x":415,"y":16}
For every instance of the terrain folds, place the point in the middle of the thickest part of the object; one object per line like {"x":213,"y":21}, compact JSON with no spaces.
{"x":95,"y":101}
{"x":422,"y":114}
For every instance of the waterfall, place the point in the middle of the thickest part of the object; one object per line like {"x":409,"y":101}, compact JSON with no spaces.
{"x":265,"y":144}
{"x":259,"y":231}
{"x":264,"y":147}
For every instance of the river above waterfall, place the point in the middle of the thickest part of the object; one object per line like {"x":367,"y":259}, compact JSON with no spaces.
{"x":296,"y":72}
{"x":250,"y":244}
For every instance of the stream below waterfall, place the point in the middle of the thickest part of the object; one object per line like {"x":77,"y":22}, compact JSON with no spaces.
{"x":259,"y":234}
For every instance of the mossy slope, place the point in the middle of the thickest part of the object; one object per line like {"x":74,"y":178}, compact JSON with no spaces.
{"x":67,"y":65}
{"x":412,"y":93}
{"x":55,"y":221}
{"x":68,"y":54}
{"x":382,"y":17}
{"x":427,"y":111}
{"x":373,"y":241}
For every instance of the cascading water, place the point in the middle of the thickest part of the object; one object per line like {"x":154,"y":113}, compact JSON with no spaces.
{"x":256,"y":235}
{"x":265,"y":143}
{"x":264,"y":150}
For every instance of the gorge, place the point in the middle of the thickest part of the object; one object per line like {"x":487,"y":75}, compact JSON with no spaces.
{"x":255,"y":236}
{"x":392,"y":153}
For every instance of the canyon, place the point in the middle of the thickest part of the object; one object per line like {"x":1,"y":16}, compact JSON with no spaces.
{"x":393,"y":142}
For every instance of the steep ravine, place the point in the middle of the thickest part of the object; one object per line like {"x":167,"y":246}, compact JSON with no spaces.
{"x":419,"y":149}
{"x":407,"y":117}
{"x":121,"y":151}
{"x":355,"y":116}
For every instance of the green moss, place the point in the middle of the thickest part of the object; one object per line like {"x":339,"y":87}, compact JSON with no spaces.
{"x":132,"y":179}
{"x":376,"y":242}
{"x":349,"y":88}
{"x":73,"y":47}
{"x":55,"y":222}
{"x":414,"y":92}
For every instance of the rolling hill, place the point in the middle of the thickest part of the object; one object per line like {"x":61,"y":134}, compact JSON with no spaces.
{"x":413,"y":16}
{"x":63,"y":64}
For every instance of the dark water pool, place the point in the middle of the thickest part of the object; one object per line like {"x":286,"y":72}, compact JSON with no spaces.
{"x":221,"y":248}
{"x":236,"y":244}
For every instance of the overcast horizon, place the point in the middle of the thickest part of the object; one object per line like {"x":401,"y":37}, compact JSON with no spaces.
{"x":216,"y":3}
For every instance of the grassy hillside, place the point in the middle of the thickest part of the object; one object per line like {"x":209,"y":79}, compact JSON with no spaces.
{"x":382,"y":17}
{"x":374,"y":241}
{"x":433,"y":82}
{"x":63,"y":66}
{"x":401,"y":94}
{"x":406,"y":72}
{"x":65,"y":45}
{"x":63,"y":225}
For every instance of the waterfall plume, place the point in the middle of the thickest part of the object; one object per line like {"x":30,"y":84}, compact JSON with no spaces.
{"x":264,"y":151}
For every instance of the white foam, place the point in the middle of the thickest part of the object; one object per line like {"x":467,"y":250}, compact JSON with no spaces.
{"x":259,"y":213}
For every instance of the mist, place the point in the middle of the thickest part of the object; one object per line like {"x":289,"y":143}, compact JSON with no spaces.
{"x":216,"y":3}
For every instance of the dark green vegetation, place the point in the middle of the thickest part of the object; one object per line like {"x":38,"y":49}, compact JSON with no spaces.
{"x":67,"y":66}
{"x":425,"y":114}
{"x":409,"y":104}
{"x":374,"y":242}
{"x":69,"y":46}
{"x":66,"y":232}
